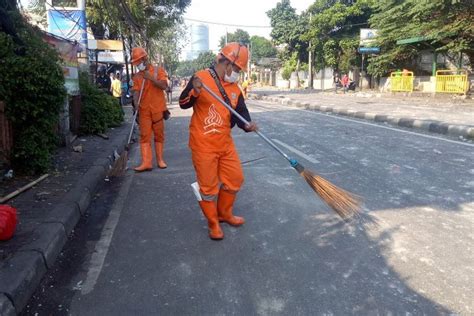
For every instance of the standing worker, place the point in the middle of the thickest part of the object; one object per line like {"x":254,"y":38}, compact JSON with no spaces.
{"x":152,"y":108}
{"x":214,"y":155}
{"x":117,"y":90}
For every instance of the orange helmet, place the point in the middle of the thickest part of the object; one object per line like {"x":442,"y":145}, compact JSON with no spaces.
{"x":137,"y":54}
{"x":237,"y":53}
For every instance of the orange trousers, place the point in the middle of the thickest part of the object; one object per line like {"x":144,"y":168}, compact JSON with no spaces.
{"x":217,"y":168}
{"x":151,"y":122}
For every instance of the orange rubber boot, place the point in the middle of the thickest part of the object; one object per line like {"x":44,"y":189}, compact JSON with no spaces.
{"x":159,"y":156}
{"x":210,"y":211}
{"x":225,"y":202}
{"x":147,"y":158}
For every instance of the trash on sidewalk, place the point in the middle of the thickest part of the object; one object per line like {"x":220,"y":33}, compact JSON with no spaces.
{"x":78,"y":149}
{"x":104,"y":136}
{"x":9,"y":174}
{"x":8,"y":221}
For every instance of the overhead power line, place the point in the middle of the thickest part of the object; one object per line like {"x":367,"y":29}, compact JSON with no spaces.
{"x":226,"y":24}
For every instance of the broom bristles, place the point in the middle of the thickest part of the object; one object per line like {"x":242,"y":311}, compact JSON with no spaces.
{"x":120,"y":165}
{"x":344,"y":203}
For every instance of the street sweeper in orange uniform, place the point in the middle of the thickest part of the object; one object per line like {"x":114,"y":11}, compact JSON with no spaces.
{"x":215,"y":159}
{"x":152,"y":108}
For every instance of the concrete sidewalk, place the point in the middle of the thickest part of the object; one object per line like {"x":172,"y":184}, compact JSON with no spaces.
{"x":49,"y":211}
{"x":438,"y":115}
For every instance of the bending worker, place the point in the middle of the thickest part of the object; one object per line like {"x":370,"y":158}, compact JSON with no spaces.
{"x":216,"y":162}
{"x":152,"y":108}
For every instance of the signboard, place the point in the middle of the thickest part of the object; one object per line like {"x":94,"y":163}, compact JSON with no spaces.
{"x":111,"y":57}
{"x":68,"y":52}
{"x":369,"y":50}
{"x":105,"y":44}
{"x":68,"y":24}
{"x":367,"y":36}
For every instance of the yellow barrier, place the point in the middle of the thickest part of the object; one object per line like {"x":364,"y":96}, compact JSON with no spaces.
{"x":451,"y":81}
{"x":401,"y":81}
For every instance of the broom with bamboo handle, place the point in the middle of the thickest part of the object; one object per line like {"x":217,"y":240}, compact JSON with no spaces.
{"x":344,"y":203}
{"x":121,"y":163}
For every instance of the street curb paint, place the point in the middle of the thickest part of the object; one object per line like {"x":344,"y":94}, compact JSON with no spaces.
{"x":21,"y":274}
{"x":407,"y":122}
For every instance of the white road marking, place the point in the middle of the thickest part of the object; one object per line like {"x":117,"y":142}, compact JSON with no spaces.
{"x":296,"y":151}
{"x":102,"y":246}
{"x":385,"y":127}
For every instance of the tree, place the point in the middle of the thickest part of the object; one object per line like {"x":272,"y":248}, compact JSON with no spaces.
{"x":334,"y":31}
{"x":170,"y":46}
{"x":189,"y":67}
{"x":239,"y":36}
{"x":204,"y":60}
{"x":144,"y":20}
{"x":287,"y":30}
{"x":260,"y":48}
{"x":32,"y":88}
{"x":445,"y":25}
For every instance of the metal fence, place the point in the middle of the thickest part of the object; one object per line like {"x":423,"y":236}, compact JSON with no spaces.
{"x":451,"y":81}
{"x":401,"y":81}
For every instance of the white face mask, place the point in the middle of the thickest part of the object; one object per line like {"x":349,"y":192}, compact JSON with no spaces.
{"x":141,"y":66}
{"x":234,"y":77}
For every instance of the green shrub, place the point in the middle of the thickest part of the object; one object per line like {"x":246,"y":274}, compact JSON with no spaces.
{"x":32,"y":86}
{"x":99,"y":110}
{"x":286,"y":73}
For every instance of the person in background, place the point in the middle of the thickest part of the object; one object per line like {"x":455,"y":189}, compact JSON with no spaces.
{"x":245,"y":86}
{"x":169,"y":91}
{"x":103,"y":81}
{"x":337,"y":82}
{"x":117,"y":90}
{"x":345,"y":83}
{"x":151,"y":108}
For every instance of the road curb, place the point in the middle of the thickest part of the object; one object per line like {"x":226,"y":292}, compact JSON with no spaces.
{"x":6,"y":306}
{"x":426,"y":125}
{"x":21,"y":274}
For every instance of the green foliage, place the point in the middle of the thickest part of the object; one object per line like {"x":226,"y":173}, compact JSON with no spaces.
{"x":445,"y":24}
{"x":261,"y":48}
{"x":33,"y":90}
{"x":288,"y":29}
{"x":170,"y":46}
{"x":99,"y":110}
{"x":334,"y":31}
{"x":239,"y":36}
{"x":290,"y":66}
{"x":189,"y":67}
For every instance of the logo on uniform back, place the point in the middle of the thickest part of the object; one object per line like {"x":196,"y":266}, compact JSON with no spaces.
{"x":212,"y":121}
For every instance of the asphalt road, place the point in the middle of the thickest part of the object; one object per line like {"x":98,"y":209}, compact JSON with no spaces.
{"x":143,"y":249}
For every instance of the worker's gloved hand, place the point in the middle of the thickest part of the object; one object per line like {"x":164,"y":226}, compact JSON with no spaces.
{"x":197,"y":84}
{"x":251,"y":127}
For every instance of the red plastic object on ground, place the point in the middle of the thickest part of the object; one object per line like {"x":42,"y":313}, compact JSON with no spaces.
{"x":8,"y":221}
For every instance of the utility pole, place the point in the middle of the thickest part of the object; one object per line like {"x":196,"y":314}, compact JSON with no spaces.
{"x":310,"y":59}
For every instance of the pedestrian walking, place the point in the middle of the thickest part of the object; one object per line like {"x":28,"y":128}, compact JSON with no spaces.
{"x":215,"y":158}
{"x":152,"y":108}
